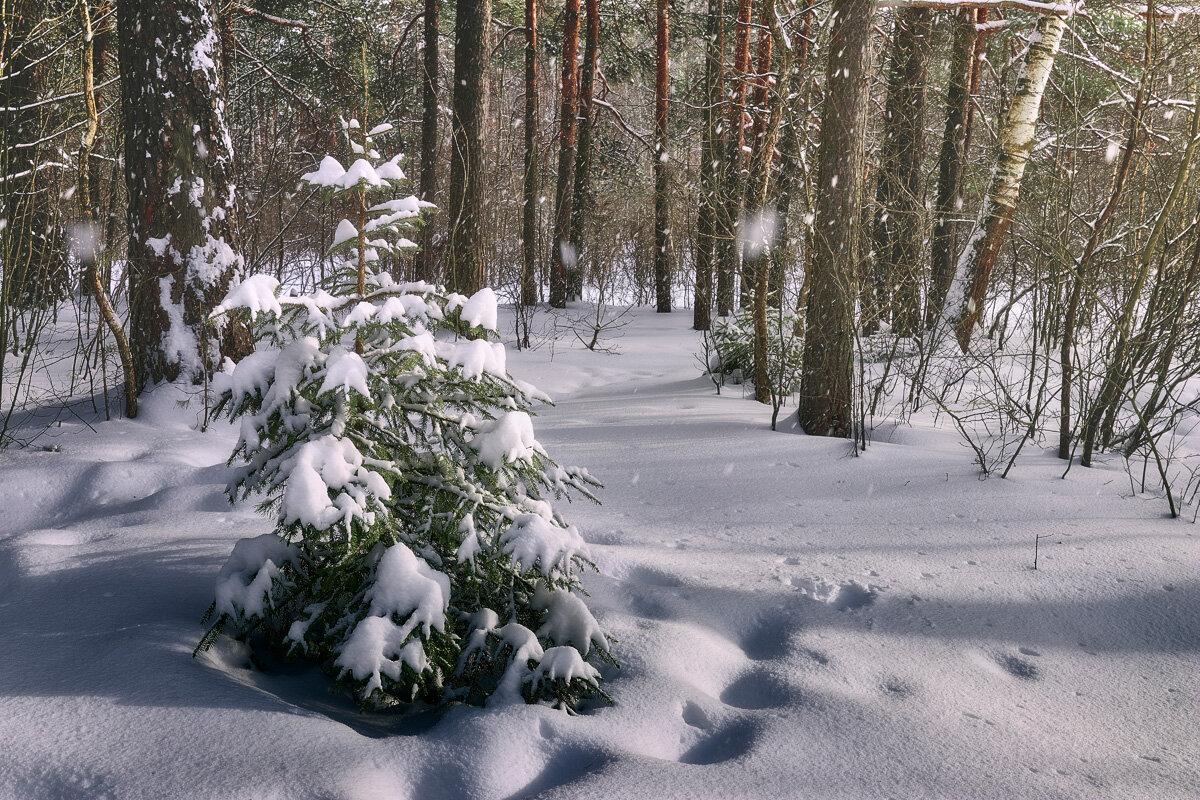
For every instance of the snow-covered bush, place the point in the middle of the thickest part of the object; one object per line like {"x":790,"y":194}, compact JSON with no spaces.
{"x":416,"y":555}
{"x":732,"y":348}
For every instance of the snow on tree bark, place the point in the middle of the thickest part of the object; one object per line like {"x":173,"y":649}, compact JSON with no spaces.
{"x":951,"y":165}
{"x":178,"y":172}
{"x":964,"y":301}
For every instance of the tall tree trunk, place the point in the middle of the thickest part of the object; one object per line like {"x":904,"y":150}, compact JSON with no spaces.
{"x":729,"y":210}
{"x":710,"y":166}
{"x":759,"y":253}
{"x":662,"y":208}
{"x":467,"y":267}
{"x":178,"y":173}
{"x":529,"y":209}
{"x":563,"y":258}
{"x":951,"y":166}
{"x":964,"y":302}
{"x":826,"y":370}
{"x":752,"y":254}
{"x":581,"y":194}
{"x":790,"y":162}
{"x":901,"y":194}
{"x":427,"y":189}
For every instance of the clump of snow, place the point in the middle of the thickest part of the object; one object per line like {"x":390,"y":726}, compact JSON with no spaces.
{"x":323,"y":466}
{"x":345,"y":370}
{"x":328,"y":173}
{"x":256,"y":293}
{"x":533,"y":541}
{"x":505,"y":440}
{"x":245,"y":581}
{"x":568,"y":620}
{"x":345,"y":232}
{"x":475,"y":357}
{"x":480,"y":310}
{"x":565,"y":664}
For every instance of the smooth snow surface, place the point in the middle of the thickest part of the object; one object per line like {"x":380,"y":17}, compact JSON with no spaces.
{"x":793,"y":621}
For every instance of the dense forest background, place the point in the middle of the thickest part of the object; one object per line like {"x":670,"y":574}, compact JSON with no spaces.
{"x":987,"y":208}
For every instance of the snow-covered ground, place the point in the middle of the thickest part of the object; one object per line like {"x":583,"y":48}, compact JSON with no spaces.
{"x":793,"y":621}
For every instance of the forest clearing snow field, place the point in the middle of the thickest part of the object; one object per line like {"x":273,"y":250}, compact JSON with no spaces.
{"x":793,"y":621}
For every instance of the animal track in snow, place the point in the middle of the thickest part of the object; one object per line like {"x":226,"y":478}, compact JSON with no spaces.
{"x":1018,"y":667}
{"x":729,"y":742}
{"x":758,"y":689}
{"x":842,"y":596}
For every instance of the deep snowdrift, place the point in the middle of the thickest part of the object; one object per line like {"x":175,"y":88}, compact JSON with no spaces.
{"x":793,"y":621}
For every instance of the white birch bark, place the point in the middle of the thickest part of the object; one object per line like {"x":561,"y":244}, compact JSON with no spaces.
{"x":964,"y":300}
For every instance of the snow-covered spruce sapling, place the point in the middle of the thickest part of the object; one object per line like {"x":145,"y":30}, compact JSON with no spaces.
{"x":416,"y":554}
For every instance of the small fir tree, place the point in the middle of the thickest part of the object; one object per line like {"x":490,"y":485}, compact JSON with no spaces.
{"x":416,"y":555}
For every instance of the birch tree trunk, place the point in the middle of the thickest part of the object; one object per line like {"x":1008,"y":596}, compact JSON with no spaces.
{"x":563,"y":256}
{"x":965,"y":299}
{"x":826,"y":369}
{"x":178,"y":173}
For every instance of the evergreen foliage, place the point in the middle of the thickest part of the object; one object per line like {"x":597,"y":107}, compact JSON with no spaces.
{"x":416,"y":555}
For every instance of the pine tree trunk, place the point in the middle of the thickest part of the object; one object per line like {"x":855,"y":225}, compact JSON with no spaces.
{"x":467,"y":267}
{"x":951,"y":166}
{"x":790,"y":163}
{"x":730,"y":208}
{"x":562,"y":259}
{"x":581,"y":193}
{"x":662,"y":209}
{"x":178,"y":172}
{"x":529,"y":209}
{"x":759,"y":253}
{"x":427,"y":189}
{"x":710,"y":166}
{"x":826,"y":370}
{"x":964,"y":302}
{"x":751,"y":255}
{"x":901,"y":194}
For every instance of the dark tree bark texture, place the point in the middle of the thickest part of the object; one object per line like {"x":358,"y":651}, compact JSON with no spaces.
{"x":562,"y":259}
{"x":178,"y":172}
{"x":826,"y":371}
{"x":467,"y":268}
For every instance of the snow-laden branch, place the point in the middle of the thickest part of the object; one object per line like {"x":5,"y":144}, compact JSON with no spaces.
{"x":1057,"y":9}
